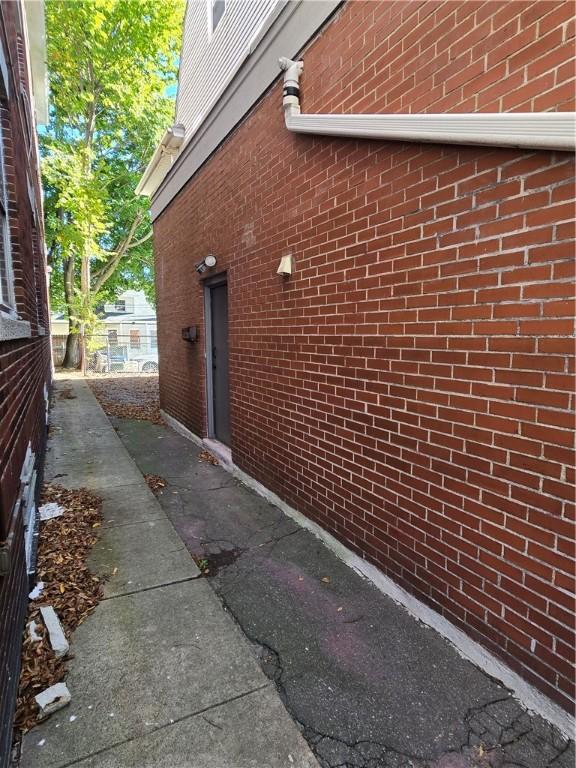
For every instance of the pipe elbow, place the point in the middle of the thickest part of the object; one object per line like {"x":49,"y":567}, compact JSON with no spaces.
{"x":292,"y":68}
{"x":291,"y":93}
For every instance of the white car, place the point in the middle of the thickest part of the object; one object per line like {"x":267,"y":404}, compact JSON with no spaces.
{"x":145,"y":363}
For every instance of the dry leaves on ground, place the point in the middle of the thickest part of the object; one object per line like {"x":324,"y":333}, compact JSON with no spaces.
{"x":65,"y":394}
{"x":208,"y":458}
{"x":155,"y":482}
{"x":73,"y":591}
{"x":129,"y":397}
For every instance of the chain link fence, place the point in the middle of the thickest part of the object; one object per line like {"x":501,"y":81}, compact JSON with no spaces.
{"x":111,"y":353}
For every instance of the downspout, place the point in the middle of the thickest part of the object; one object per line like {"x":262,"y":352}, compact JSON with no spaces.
{"x":534,"y":130}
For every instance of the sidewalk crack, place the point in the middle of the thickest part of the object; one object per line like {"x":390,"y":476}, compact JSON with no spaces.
{"x":172,"y":722}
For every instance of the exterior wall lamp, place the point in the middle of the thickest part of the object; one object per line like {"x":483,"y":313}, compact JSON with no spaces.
{"x":207,"y":263}
{"x":286,"y":266}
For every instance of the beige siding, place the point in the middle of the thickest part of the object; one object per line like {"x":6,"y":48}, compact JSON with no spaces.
{"x":209,"y":60}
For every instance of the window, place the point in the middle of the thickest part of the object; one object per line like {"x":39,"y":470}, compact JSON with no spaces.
{"x":113,"y":337}
{"x":7,"y":299}
{"x":120,"y":305}
{"x":153,"y":340}
{"x":216,"y":10}
{"x":134,"y":339}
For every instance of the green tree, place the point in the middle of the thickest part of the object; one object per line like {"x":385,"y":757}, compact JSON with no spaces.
{"x":113,"y":68}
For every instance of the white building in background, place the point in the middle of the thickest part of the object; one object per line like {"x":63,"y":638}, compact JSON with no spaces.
{"x":126,"y":334}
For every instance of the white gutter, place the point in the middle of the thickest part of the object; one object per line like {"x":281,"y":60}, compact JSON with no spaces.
{"x":534,"y":130}
{"x":35,"y":30}
{"x":162,"y":159}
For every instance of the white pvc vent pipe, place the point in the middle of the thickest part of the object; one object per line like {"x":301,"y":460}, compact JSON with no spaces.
{"x":534,"y":130}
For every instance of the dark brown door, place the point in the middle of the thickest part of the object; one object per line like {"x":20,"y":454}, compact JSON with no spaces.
{"x":220,"y":393}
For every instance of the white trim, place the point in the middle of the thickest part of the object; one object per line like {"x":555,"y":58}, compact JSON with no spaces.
{"x":527,"y":694}
{"x":4,"y":80}
{"x":164,"y":155}
{"x":288,"y":29}
{"x":35,"y":30}
{"x":210,"y":14}
{"x":7,"y":303}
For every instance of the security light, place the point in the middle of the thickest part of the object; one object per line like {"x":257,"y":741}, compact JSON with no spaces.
{"x":206,"y":263}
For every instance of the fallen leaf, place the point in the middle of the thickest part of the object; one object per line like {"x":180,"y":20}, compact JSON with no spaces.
{"x":129,"y":397}
{"x":63,"y":546}
{"x":326,"y":579}
{"x":208,"y":458}
{"x":155,"y":482}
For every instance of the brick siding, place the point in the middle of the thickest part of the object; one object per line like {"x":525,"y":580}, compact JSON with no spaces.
{"x":24,"y":363}
{"x":410,"y":387}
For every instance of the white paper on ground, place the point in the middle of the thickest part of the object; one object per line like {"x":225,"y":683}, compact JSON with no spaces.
{"x":37,"y":591}
{"x":34,"y":636}
{"x":50,"y":510}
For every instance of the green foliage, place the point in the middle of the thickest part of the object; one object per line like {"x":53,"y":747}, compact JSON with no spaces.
{"x":112,"y":66}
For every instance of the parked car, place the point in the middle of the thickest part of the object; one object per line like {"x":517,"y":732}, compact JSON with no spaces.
{"x":146,"y":363}
{"x":118,"y":361}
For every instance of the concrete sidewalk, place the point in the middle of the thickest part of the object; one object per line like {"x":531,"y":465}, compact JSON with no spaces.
{"x":160,"y":675}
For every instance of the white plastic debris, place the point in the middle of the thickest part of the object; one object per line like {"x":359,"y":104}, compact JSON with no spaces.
{"x":41,"y":742}
{"x":52,"y":699}
{"x":72,"y":718}
{"x":34,"y":636}
{"x":37,"y":591}
{"x":58,"y":640}
{"x":50,"y":510}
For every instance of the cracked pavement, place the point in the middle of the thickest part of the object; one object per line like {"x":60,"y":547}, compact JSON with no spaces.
{"x":367,"y":684}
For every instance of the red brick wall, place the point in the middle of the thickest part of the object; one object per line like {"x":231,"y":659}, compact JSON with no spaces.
{"x":410,"y":386}
{"x":24,"y":363}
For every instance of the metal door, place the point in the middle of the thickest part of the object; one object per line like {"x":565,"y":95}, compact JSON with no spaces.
{"x":218,"y":302}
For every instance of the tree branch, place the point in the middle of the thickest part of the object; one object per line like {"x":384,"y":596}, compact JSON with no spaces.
{"x":110,"y":267}
{"x":142,"y":240}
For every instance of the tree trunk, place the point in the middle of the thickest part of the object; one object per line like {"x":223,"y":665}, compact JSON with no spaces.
{"x":72,"y":354}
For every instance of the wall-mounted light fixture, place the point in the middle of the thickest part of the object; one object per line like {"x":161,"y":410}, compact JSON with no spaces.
{"x":286,"y":266}
{"x":207,"y":263}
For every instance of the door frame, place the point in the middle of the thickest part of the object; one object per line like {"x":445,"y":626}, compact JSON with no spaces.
{"x":212,"y":282}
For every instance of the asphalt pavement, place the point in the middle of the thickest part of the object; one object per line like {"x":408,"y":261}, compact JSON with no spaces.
{"x":366,"y":684}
